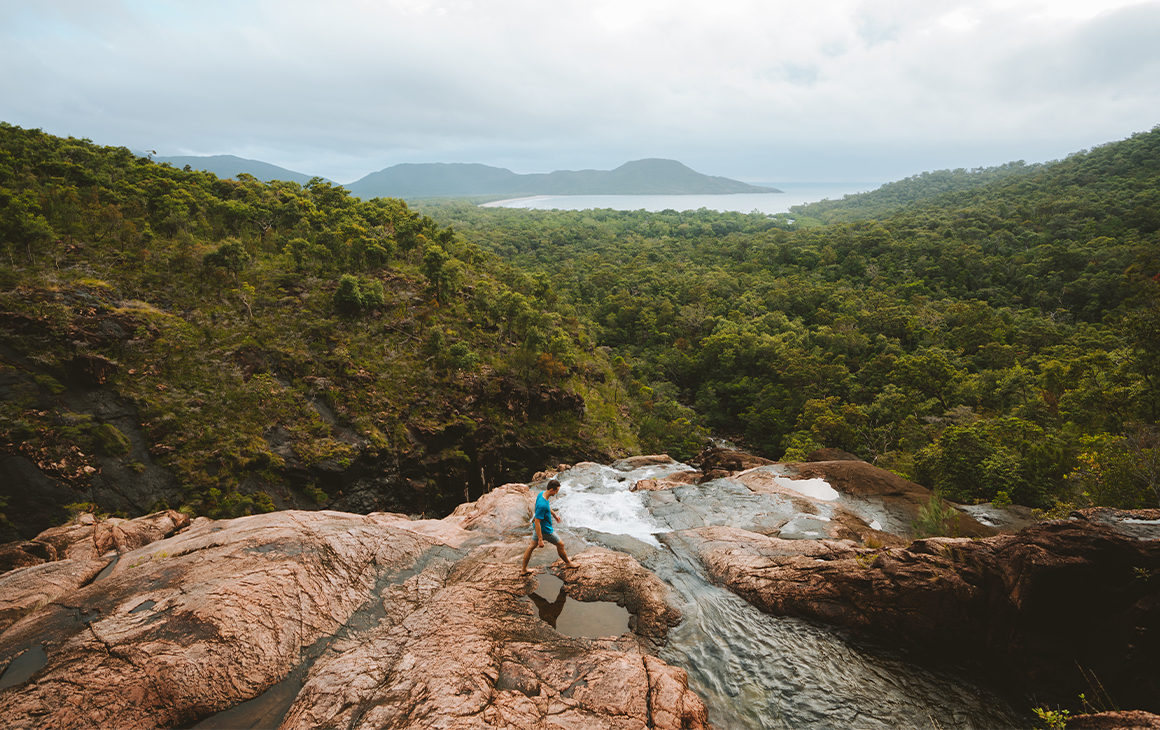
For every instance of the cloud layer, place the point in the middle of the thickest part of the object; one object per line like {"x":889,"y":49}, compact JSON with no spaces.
{"x":751,"y":89}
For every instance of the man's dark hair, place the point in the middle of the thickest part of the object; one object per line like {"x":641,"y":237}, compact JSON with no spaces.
{"x":554,"y":484}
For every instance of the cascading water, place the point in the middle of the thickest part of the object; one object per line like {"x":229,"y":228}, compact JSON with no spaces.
{"x":759,"y":671}
{"x":601,"y":498}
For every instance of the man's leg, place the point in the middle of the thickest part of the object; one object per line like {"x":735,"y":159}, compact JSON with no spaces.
{"x":564,"y":554}
{"x":528,"y":554}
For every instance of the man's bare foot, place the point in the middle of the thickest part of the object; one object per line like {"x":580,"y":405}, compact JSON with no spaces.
{"x":571,"y":565}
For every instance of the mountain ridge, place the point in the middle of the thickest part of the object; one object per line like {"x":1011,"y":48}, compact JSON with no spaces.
{"x":648,"y":176}
{"x":229,"y":166}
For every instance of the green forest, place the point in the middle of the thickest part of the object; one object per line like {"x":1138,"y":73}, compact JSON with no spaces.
{"x":277,"y":341}
{"x":993,"y":334}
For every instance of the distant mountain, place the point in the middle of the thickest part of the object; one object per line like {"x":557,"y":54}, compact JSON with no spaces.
{"x":642,"y":177}
{"x":226,"y":166}
{"x":433,"y":179}
{"x":439,"y":179}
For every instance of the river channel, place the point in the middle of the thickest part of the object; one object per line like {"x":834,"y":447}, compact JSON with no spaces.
{"x":754,"y":670}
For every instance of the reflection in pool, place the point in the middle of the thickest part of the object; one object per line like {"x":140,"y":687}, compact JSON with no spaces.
{"x":579,"y":619}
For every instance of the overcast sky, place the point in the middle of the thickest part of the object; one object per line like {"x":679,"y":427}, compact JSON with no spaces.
{"x":756,"y":90}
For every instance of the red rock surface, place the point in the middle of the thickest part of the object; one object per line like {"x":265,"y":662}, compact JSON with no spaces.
{"x":1037,"y":606}
{"x":460,"y":648}
{"x":413,"y":623}
{"x":1131,"y":720}
{"x":679,"y":479}
{"x":79,"y":551}
{"x":382,"y":621}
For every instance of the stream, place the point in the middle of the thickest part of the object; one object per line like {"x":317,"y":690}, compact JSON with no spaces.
{"x":754,"y":670}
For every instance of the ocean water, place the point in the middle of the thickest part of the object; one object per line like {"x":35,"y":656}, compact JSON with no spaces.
{"x":793,"y":193}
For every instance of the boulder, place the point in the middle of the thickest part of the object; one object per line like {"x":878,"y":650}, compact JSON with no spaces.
{"x":679,"y":479}
{"x":728,"y":460}
{"x":636,"y":462}
{"x":711,"y":474}
{"x":22,"y":554}
{"x":1058,"y":609}
{"x":1130,"y":720}
{"x":831,"y":454}
{"x":900,"y":498}
{"x":72,"y":541}
{"x":87,"y":538}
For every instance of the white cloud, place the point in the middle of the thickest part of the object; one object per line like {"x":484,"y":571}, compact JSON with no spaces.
{"x":745,"y":88}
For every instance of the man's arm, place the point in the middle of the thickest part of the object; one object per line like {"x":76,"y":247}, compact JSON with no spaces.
{"x":539,"y":535}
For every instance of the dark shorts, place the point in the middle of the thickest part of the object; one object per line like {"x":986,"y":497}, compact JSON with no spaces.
{"x":550,"y":537}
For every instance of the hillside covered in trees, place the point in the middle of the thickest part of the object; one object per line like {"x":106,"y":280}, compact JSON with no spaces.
{"x":231,"y":346}
{"x":993,"y":334}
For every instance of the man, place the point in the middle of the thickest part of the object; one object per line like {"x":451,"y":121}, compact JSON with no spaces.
{"x":542,"y":520}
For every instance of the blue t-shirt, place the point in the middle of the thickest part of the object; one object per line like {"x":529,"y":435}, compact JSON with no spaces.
{"x":543,"y":514}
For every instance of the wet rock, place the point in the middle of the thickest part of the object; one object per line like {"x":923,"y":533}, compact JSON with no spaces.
{"x":798,"y":501}
{"x":1143,"y":524}
{"x":1011,"y":518}
{"x":1048,"y":608}
{"x":604,"y":575}
{"x":727,"y":460}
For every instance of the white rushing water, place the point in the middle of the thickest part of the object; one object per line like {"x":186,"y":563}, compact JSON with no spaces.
{"x":601,"y":498}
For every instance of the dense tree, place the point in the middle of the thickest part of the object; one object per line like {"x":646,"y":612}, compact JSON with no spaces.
{"x":259,"y":329}
{"x":991,"y":332}
{"x":920,"y":318}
